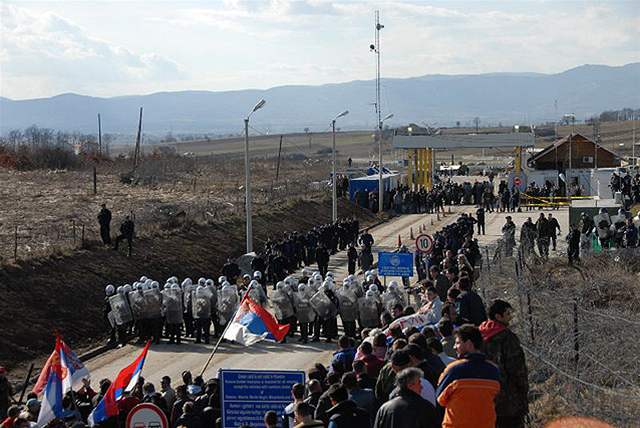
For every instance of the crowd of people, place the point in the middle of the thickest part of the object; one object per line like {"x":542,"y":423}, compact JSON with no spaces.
{"x":404,"y":200}
{"x":628,"y":185}
{"x":443,"y":359}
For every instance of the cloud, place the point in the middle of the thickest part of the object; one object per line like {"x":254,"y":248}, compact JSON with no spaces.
{"x":50,"y":48}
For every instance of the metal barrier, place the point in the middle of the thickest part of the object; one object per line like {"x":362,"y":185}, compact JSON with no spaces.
{"x":527,"y":200}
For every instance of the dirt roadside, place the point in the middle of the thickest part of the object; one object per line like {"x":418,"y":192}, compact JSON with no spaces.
{"x":65,"y":293}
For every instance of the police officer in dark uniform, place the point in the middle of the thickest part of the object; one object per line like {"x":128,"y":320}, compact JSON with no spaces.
{"x":104,"y":219}
{"x":322,"y":257}
{"x":352,"y":256}
{"x":127,"y":229}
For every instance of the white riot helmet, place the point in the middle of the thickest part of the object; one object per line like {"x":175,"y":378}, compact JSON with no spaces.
{"x":199,"y":288}
{"x":257,"y":275}
{"x":329,"y":274}
{"x":302,"y":288}
{"x":367,"y":274}
{"x":286,"y":288}
{"x":173,"y":280}
{"x":254,"y":284}
{"x":155,"y":285}
{"x":143,"y":279}
{"x":317,"y":277}
{"x":370,"y":294}
{"x":373,"y":288}
{"x":167,"y":286}
{"x":226,"y":283}
{"x":280,"y":285}
{"x":370,"y":278}
{"x":175,"y":286}
{"x":201,"y":281}
{"x":393,"y":285}
{"x":126,"y":288}
{"x":120,"y":290}
{"x":187,"y":282}
{"x":351,"y":278}
{"x":327,"y":284}
{"x":109,"y":290}
{"x":221,"y":279}
{"x":374,"y":273}
{"x":148,"y":283}
{"x":346,"y":284}
{"x":209,"y":283}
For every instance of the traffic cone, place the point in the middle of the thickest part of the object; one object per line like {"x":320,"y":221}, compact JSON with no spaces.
{"x":399,"y":240}
{"x":411,"y":233}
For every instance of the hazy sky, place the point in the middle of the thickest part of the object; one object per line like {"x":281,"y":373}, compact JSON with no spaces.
{"x":108,"y":48}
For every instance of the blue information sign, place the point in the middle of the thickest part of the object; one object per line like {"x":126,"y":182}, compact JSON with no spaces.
{"x":395,"y":264}
{"x":248,"y":394}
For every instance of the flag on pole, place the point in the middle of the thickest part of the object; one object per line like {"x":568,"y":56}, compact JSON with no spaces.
{"x":254,"y":323}
{"x":51,"y":405}
{"x":73,"y":371}
{"x":126,"y":380}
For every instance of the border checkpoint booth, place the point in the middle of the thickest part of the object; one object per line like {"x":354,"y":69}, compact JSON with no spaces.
{"x":420,"y":151}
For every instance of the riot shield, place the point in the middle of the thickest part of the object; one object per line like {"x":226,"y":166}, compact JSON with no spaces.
{"x":172,"y":306}
{"x":187,"y":293}
{"x":121,"y":310}
{"x":348,"y":304}
{"x":227,"y":303}
{"x":321,"y":304}
{"x":137,"y":305}
{"x":153,"y":303}
{"x":389,"y":300}
{"x":201,"y":303}
{"x":304,"y":311}
{"x":281,"y":305}
{"x":368,"y":312}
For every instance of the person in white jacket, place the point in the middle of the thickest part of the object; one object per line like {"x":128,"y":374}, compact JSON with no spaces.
{"x":433,"y":307}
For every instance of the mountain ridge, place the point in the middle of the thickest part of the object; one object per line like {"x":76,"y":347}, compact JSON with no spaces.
{"x":436,"y":98}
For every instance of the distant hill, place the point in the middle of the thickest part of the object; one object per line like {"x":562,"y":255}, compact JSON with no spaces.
{"x":445,"y":99}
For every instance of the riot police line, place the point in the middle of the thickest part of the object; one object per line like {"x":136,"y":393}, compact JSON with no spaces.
{"x":310,"y":303}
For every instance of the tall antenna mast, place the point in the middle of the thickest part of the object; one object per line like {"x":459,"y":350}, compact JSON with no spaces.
{"x":376,"y":49}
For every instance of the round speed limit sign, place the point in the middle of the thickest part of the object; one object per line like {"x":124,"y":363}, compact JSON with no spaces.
{"x":424,"y":243}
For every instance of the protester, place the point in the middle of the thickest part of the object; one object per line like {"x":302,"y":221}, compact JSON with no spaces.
{"x":407,"y":409}
{"x":468,"y":386}
{"x":503,"y":348}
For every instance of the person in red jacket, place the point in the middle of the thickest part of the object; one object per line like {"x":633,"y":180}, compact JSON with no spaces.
{"x":503,"y":348}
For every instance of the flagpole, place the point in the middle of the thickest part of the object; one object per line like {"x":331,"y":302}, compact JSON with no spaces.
{"x":223,"y":333}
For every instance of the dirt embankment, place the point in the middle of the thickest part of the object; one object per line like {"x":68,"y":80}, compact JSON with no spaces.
{"x":65,"y":293}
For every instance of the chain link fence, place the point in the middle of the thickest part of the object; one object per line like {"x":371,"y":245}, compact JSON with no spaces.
{"x":577,"y":326}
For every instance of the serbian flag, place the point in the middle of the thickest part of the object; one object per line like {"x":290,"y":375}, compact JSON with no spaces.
{"x":73,"y":371}
{"x":51,"y":405}
{"x":254,"y":323}
{"x":126,"y":380}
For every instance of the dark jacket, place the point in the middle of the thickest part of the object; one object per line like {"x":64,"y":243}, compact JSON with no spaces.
{"x":502,"y":347}
{"x":347,"y":414}
{"x":189,"y":421}
{"x":407,"y":410}
{"x":470,"y":306}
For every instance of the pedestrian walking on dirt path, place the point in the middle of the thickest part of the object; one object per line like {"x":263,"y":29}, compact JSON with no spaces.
{"x":104,"y":219}
{"x":127,"y":229}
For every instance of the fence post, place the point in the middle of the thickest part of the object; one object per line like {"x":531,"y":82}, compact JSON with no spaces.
{"x":576,"y":332}
{"x":15,"y":244}
{"x":95,"y":181}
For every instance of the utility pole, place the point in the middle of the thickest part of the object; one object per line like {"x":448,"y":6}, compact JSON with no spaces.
{"x":476,"y":121}
{"x":596,"y":136}
{"x":99,"y":135}
{"x":136,"y":153}
{"x":376,"y":49}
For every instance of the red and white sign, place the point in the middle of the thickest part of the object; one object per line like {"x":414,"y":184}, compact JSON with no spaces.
{"x":424,"y":243}
{"x":147,"y":415}
{"x":517,"y":181}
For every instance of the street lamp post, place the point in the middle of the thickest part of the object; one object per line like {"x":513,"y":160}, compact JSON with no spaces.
{"x":573,"y":129}
{"x":247,"y":177}
{"x":334,"y":193}
{"x":380,"y":187}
